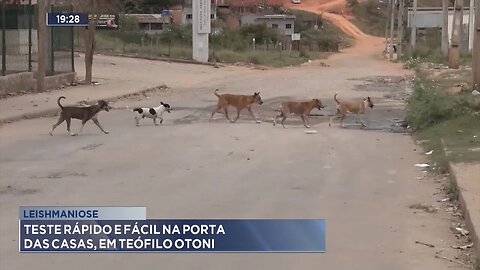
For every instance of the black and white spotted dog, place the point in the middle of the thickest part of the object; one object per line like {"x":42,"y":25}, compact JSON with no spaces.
{"x":153,"y":113}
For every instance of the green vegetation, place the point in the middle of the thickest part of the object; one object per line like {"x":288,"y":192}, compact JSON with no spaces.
{"x":229,"y":46}
{"x":370,"y":16}
{"x":444,"y":120}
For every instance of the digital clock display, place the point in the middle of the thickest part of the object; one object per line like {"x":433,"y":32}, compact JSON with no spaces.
{"x":67,"y":19}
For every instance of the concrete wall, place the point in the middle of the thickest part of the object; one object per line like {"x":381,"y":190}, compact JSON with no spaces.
{"x":434,"y":19}
{"x":25,"y":81}
{"x":280,"y":22}
{"x":16,"y":82}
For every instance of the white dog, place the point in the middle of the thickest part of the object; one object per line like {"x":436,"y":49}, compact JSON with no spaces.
{"x":153,"y":113}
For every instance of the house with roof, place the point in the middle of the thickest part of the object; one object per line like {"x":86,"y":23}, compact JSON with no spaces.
{"x":283,"y":23}
{"x":151,"y":23}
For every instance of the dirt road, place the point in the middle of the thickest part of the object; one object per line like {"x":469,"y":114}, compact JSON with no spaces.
{"x":325,"y":9}
{"x":361,"y":181}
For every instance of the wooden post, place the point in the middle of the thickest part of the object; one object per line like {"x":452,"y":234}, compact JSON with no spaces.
{"x":476,"y":47}
{"x":42,"y":50}
{"x":454,"y":52}
{"x":471,"y":25}
{"x":386,"y":26}
{"x":445,"y":27}
{"x":413,"y":37}
{"x":401,"y":10}
{"x":392,"y":26}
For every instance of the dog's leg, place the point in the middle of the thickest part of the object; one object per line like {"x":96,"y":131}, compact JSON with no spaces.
{"x":137,"y":120}
{"x":215,"y":111}
{"x":361,"y":121}
{"x":95,"y":120}
{"x":342,"y":117}
{"x":253,"y":116}
{"x":60,"y":120}
{"x":80,"y":131}
{"x":238,"y":115}
{"x":275,"y":118}
{"x":304,"y":121}
{"x":283,"y":120}
{"x":226,"y":114}
{"x":69,"y":120}
{"x":155,"y":121}
{"x":161,"y":117}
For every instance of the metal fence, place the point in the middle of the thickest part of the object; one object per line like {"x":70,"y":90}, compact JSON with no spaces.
{"x":19,"y":41}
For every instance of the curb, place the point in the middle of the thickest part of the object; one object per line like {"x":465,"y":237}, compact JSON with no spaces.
{"x":165,"y":59}
{"x":54,"y":112}
{"x":466,"y":213}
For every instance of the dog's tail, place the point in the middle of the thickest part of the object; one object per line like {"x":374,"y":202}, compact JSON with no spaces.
{"x":137,"y":110}
{"x":58,"y":102}
{"x":215,"y":92}
{"x":335,"y":98}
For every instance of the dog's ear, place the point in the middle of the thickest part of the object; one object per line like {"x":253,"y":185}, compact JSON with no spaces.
{"x":161,"y":103}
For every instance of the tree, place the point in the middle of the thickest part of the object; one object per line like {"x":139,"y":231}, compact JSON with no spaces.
{"x":94,"y":8}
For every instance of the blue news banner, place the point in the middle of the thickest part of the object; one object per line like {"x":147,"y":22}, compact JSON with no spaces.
{"x":126,"y":229}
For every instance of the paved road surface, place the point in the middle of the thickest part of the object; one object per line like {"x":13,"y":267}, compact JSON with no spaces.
{"x":361,"y":181}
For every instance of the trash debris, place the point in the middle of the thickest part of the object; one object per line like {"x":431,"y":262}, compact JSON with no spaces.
{"x":310,"y":132}
{"x":429,"y":152}
{"x":464,"y":247}
{"x":445,"y":200}
{"x":460,"y":131}
{"x":462,"y":231}
{"x":425,"y":244}
{"x":452,"y":260}
{"x":422,"y":165}
{"x":457,"y":229}
{"x":475,"y":93}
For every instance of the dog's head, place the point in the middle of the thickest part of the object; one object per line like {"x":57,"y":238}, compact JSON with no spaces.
{"x":317,"y":103}
{"x":368,"y":102}
{"x":257,"y":98}
{"x":166,"y":106}
{"x":104,"y":105}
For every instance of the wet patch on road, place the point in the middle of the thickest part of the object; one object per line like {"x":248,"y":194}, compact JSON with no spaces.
{"x":9,"y":190}
{"x":92,"y":146}
{"x":59,"y":175}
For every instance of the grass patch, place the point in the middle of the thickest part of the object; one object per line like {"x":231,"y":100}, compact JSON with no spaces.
{"x":461,"y":137}
{"x":429,"y":105}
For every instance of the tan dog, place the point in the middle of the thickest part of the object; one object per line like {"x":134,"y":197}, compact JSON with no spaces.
{"x":299,"y":108}
{"x":356,"y":108}
{"x":238,"y":101}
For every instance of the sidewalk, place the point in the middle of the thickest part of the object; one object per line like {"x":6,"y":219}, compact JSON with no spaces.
{"x":467,"y":177}
{"x":45,"y":104}
{"x":118,"y":76}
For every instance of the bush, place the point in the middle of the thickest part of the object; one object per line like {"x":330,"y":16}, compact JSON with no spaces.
{"x":428,"y":106}
{"x":412,"y":63}
{"x":303,"y":54}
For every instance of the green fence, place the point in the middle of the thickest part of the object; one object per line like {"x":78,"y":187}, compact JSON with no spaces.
{"x":19,"y":41}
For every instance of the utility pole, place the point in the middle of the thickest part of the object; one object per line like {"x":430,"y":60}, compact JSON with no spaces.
{"x":42,"y":39}
{"x":392,"y":26}
{"x":476,"y":47}
{"x":445,"y":27}
{"x":454,"y":53}
{"x":471,"y":25}
{"x":401,"y":9}
{"x":413,"y":37}
{"x":386,"y":25}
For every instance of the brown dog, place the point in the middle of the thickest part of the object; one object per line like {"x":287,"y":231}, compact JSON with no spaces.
{"x":356,"y":108}
{"x":81,"y":113}
{"x":299,"y":108}
{"x":238,"y":101}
